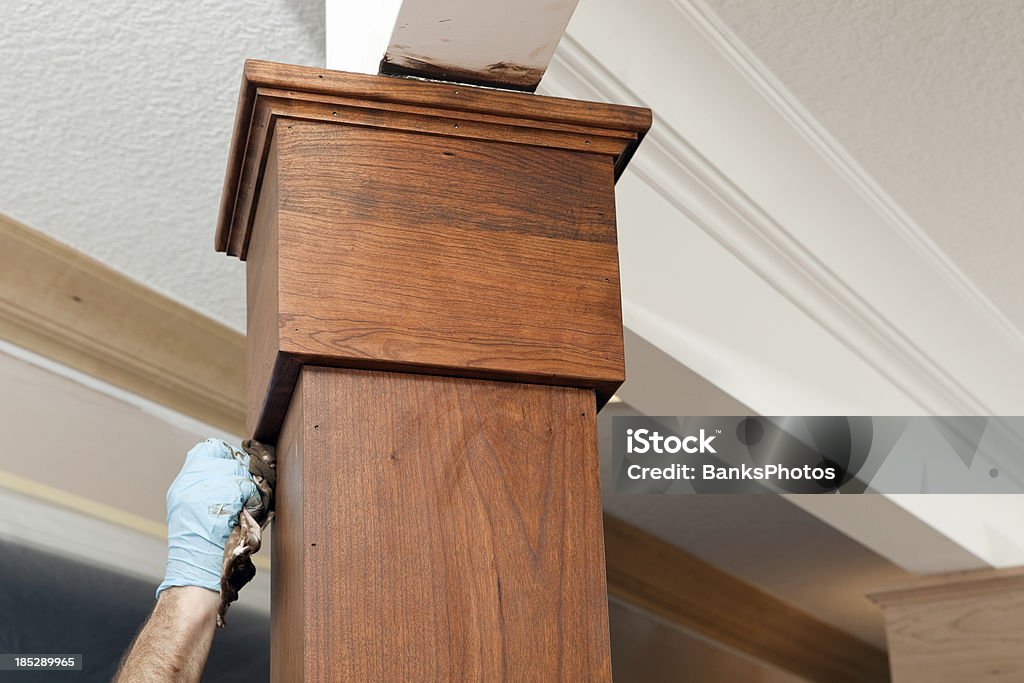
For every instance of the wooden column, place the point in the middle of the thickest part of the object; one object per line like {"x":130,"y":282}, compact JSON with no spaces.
{"x":434,"y":320}
{"x":959,"y":627}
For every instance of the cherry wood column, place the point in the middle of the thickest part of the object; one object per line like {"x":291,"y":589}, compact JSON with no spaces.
{"x":434,"y":320}
{"x":451,"y":530}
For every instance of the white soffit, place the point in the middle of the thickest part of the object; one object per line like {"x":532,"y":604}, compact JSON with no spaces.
{"x":733,"y":155}
{"x":929,"y":98}
{"x":756,"y":252}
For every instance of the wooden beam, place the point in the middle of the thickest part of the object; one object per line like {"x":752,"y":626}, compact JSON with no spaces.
{"x":61,"y":304}
{"x":966,"y":626}
{"x":499,"y":44}
{"x":701,"y":598}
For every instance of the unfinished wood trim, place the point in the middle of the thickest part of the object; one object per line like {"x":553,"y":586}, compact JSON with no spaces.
{"x":964,"y":626}
{"x":953,"y":585}
{"x":61,"y":304}
{"x":701,"y":598}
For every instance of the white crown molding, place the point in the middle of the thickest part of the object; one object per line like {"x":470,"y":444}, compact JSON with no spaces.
{"x":916,"y":319}
{"x":816,"y":135}
{"x":862,"y":314}
{"x":700,"y":191}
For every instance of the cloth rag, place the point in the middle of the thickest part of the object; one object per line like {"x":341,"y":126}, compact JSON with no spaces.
{"x":245,"y":539}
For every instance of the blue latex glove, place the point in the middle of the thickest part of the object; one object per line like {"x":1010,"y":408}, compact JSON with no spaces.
{"x":203,"y":505}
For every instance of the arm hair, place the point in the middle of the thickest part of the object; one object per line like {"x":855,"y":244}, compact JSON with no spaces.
{"x":174,"y":643}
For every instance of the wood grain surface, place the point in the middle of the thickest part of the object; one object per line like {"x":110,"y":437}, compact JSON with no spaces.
{"x":263,"y":312}
{"x":687,"y":591}
{"x":451,"y":530}
{"x":288,"y":582}
{"x":375,"y":96}
{"x":396,"y":250}
{"x":950,"y":628}
{"x":472,"y":256}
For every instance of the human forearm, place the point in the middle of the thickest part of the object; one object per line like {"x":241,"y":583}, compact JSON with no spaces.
{"x":173,"y":645}
{"x":203,"y":506}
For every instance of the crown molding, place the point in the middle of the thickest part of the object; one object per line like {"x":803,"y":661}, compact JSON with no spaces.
{"x":271,"y":91}
{"x":951,"y":358}
{"x":744,"y":60}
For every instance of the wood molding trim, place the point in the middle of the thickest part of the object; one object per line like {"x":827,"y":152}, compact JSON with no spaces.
{"x":63,"y":305}
{"x":271,"y":91}
{"x":953,"y":585}
{"x":966,"y":626}
{"x":701,"y":598}
{"x":330,"y":158}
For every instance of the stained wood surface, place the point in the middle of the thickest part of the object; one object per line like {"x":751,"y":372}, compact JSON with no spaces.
{"x":414,"y":250}
{"x":288,"y":582}
{"x":387,"y":249}
{"x":451,"y":531}
{"x":967,"y":626}
{"x":271,"y":91}
{"x":263,"y":312}
{"x":701,"y":598}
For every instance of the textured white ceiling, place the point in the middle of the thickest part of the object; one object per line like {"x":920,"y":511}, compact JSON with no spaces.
{"x":115,"y":118}
{"x":929,"y":98}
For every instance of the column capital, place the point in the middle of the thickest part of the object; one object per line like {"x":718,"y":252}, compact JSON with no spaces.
{"x":272,"y":91}
{"x":433,"y":228}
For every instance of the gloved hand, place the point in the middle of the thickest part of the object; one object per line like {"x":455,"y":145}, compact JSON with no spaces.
{"x":203,"y":505}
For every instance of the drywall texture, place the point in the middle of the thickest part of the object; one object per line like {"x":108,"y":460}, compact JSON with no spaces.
{"x":928,"y":97}
{"x":114,"y":127}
